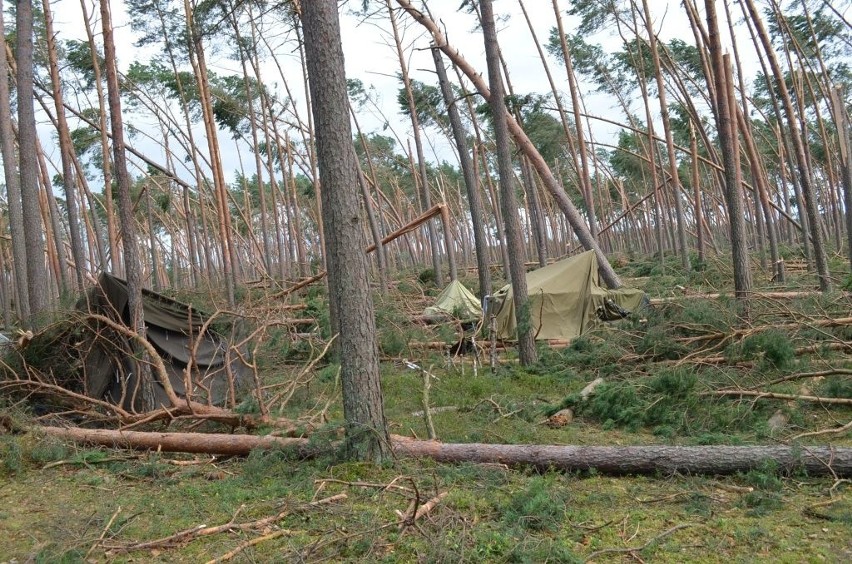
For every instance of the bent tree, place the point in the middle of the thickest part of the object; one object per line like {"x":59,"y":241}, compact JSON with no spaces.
{"x":350,"y":302}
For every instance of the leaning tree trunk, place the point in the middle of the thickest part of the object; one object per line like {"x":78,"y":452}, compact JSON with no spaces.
{"x":350,"y":301}
{"x":667,"y":129}
{"x":425,"y":197}
{"x":508,"y":201}
{"x":199,"y":66}
{"x":583,"y":170}
{"x":845,"y":143}
{"x":554,"y":187}
{"x":67,"y":152}
{"x":471,"y":182}
{"x":805,"y":178}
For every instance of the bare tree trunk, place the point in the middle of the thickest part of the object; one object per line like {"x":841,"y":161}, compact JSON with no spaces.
{"x":196,"y":55}
{"x":471,"y":182}
{"x":132,"y":262}
{"x":425,"y":196}
{"x":583,"y":171}
{"x":524,"y":144}
{"x":699,"y":230}
{"x":526,"y":338}
{"x":67,"y":151}
{"x":727,"y":131}
{"x":667,"y":129}
{"x":805,"y":178}
{"x":350,"y":301}
{"x":28,"y":164}
{"x":112,"y":235}
{"x":13,"y":183}
{"x":842,"y":121}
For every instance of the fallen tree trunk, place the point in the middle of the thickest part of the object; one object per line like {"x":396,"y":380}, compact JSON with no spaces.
{"x":712,"y":459}
{"x":200,"y":443}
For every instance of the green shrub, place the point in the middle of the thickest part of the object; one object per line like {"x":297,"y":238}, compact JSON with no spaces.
{"x":540,"y":506}
{"x":772,"y":347}
{"x":837,"y":387}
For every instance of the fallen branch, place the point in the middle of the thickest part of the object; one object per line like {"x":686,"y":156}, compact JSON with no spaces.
{"x":631,"y":550}
{"x":803,"y":375}
{"x":269,"y":536}
{"x":250,"y":543}
{"x":773,"y":395}
{"x":833,"y":431}
{"x":764,"y":295}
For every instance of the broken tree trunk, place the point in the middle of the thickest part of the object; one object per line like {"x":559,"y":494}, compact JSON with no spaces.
{"x":711,"y":459}
{"x":435,"y":210}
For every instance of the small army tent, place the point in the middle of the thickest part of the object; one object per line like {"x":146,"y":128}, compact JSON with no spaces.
{"x":174,"y":329}
{"x":566,"y":300}
{"x":455,"y":301}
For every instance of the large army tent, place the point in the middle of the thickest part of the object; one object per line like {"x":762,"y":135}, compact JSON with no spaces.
{"x":174,"y":329}
{"x":455,"y":301}
{"x":566,"y":300}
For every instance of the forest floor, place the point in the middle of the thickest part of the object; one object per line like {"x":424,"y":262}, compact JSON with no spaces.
{"x":64,"y":503}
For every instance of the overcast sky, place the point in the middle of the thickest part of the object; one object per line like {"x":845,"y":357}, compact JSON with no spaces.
{"x":371,"y":56}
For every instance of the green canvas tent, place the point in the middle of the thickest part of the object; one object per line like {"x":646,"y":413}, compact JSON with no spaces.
{"x":566,"y":300}
{"x":173,"y":328}
{"x":455,"y":301}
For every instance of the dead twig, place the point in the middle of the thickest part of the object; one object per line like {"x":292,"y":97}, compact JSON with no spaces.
{"x":834,"y":431}
{"x":250,"y":543}
{"x":631,"y":550}
{"x":103,"y":534}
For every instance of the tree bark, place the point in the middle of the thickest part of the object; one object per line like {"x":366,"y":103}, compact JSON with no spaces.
{"x":13,"y":183}
{"x":350,"y":301}
{"x":727,"y":132}
{"x":28,"y":165}
{"x":127,"y":223}
{"x":508,"y":201}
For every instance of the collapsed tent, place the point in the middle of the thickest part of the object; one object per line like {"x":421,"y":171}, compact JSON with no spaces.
{"x":565,"y":300}
{"x":175,"y":331}
{"x":456,"y":302}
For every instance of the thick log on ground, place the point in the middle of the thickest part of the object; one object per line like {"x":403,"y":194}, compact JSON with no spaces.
{"x":711,"y":459}
{"x":609,"y":460}
{"x":201,"y":443}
